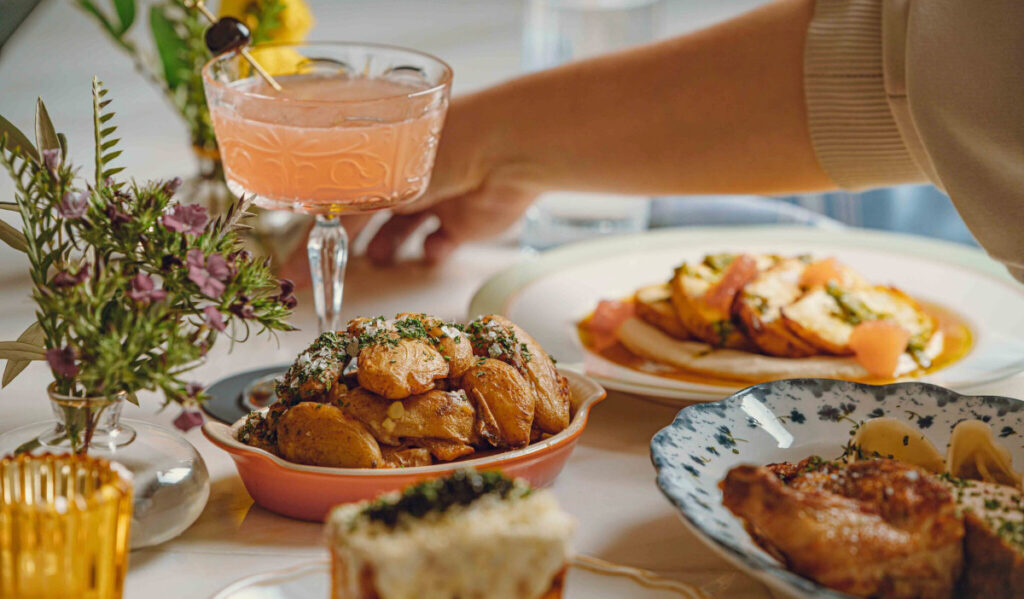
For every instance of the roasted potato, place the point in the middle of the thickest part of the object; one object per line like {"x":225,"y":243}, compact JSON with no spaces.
{"x":504,"y":402}
{"x":452,"y":342}
{"x":759,"y":308}
{"x":654,"y":306}
{"x":316,"y":371}
{"x":500,"y":338}
{"x":442,"y":415}
{"x":322,"y":435}
{"x":703,"y":294}
{"x":405,"y":457}
{"x":398,"y":367}
{"x":825,"y":316}
{"x":445,"y":451}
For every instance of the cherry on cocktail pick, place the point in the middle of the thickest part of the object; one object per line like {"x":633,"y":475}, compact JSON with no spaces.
{"x":230,"y":35}
{"x":227,"y":35}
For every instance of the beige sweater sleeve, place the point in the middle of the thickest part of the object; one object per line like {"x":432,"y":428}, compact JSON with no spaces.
{"x":913,"y":90}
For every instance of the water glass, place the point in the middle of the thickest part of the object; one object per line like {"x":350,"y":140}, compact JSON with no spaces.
{"x":559,"y":31}
{"x":64,"y":523}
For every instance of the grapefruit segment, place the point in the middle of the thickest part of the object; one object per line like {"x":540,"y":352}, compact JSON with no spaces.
{"x":608,"y":315}
{"x":822,"y":273}
{"x":740,"y":271}
{"x":878,"y":345}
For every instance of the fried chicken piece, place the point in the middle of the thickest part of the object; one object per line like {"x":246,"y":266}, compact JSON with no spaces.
{"x":441,"y":415}
{"x":395,"y":367}
{"x":405,"y":457}
{"x":504,"y":403}
{"x":498,"y":337}
{"x":877,"y":528}
{"x":322,"y":435}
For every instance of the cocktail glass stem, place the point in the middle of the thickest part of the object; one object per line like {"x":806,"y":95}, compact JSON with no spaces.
{"x":328,"y":253}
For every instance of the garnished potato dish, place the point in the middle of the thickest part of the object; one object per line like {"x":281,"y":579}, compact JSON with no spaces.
{"x":753,"y":318}
{"x":412,"y":391}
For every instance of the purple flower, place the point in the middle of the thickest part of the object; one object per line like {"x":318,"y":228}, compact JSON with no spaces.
{"x":209,"y":286}
{"x":195,"y":258}
{"x":286,"y":298}
{"x":172,"y":186}
{"x":170,"y":261}
{"x":239,"y":256}
{"x":52,"y":160}
{"x":242,"y":308}
{"x":73,"y":205}
{"x":214,"y":318}
{"x":144,"y":290}
{"x":189,"y":219}
{"x":188,"y":419}
{"x":218,"y":267}
{"x":64,"y":279}
{"x":288,"y":301}
{"x":116,"y":216}
{"x":209,"y":274}
{"x":62,"y":361}
{"x":193,"y":389}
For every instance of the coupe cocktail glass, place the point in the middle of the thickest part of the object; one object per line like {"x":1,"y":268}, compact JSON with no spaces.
{"x":354,"y":129}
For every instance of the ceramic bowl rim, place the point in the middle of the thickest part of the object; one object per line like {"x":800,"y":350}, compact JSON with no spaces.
{"x":225,"y":437}
{"x":760,"y":565}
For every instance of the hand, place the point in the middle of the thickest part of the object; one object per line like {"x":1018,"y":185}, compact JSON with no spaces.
{"x":472,"y":194}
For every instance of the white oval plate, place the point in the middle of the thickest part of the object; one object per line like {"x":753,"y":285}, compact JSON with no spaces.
{"x":313,"y":580}
{"x":787,"y":421}
{"x":549,"y":294}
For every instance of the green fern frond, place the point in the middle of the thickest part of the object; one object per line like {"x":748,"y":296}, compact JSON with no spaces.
{"x":105,"y":147}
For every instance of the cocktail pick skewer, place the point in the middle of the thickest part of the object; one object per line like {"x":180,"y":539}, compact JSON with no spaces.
{"x":201,"y":7}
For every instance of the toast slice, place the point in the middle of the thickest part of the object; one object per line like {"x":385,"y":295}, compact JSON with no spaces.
{"x":826,"y":316}
{"x":654,"y":306}
{"x":994,"y":540}
{"x":703,"y":293}
{"x":759,"y":308}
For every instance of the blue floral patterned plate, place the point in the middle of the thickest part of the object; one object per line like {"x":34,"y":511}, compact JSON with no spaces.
{"x":788,"y":421}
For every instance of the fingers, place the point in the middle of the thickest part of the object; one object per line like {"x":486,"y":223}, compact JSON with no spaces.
{"x":355,"y":223}
{"x":392,"y":234}
{"x":438,"y":246}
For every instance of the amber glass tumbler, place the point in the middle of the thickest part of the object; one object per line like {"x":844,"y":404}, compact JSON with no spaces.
{"x":64,"y":523}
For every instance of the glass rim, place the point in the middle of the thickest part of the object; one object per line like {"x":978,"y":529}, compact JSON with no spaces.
{"x":445,"y":82}
{"x":116,"y":481}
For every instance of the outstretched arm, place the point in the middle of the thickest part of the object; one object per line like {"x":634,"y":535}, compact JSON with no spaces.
{"x":717,"y":111}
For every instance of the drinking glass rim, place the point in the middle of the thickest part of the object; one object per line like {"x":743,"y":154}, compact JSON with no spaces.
{"x":446,"y":79}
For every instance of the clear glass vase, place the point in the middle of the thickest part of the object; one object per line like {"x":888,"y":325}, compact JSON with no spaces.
{"x":170,"y":478}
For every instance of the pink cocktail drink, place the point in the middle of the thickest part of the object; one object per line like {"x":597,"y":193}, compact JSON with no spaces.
{"x":354,"y":128}
{"x":327,"y":143}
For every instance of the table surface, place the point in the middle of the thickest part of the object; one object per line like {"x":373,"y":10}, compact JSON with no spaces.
{"x":608,"y":484}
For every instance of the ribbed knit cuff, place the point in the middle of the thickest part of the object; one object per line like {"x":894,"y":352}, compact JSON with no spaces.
{"x":852,"y":127}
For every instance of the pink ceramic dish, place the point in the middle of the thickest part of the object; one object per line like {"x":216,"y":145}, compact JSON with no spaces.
{"x":309,"y":492}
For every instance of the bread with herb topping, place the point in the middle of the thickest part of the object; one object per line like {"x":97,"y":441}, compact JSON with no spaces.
{"x":703,"y":294}
{"x":826,"y":316}
{"x":654,"y":306}
{"x":469,"y":535}
{"x":759,"y":308}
